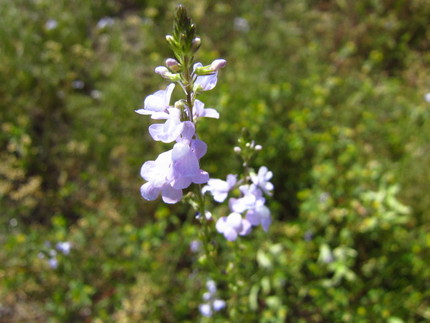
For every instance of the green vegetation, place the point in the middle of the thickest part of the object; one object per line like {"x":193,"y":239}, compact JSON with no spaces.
{"x":332,"y":89}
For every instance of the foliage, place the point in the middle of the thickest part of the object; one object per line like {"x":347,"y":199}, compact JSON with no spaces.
{"x":333,"y":90}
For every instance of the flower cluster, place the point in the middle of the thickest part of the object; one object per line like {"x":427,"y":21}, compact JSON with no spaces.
{"x":249,"y":209}
{"x":211,"y":302}
{"x":63,"y":247}
{"x":178,"y":168}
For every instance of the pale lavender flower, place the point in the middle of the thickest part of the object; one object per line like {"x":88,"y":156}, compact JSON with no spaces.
{"x":217,"y":64}
{"x":195,"y":246}
{"x":262,"y":178}
{"x":220,"y":188}
{"x":252,"y":202}
{"x":165,"y":73}
{"x":205,"y":310}
{"x":78,"y":84}
{"x":211,"y":286}
{"x":173,"y":171}
{"x":156,"y":104}
{"x":64,"y":247}
{"x":170,"y":130}
{"x":105,"y":22}
{"x":260,"y":215}
{"x":252,"y":197}
{"x":232,"y":226}
{"x":199,"y":111}
{"x":185,"y":164}
{"x":205,"y":82}
{"x":159,"y":175}
{"x":218,"y":304}
{"x":427,"y":97}
{"x":51,"y":24}
{"x":212,"y":303}
{"x":53,"y":263}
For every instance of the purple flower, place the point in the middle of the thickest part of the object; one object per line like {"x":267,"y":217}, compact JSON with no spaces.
{"x":195,"y":246}
{"x":64,"y":247}
{"x":159,"y":175}
{"x":51,"y":24}
{"x":205,"y":310}
{"x":104,"y":22}
{"x":218,"y":304}
{"x":252,"y":197}
{"x":199,"y":111}
{"x":170,"y":130}
{"x":252,"y":202}
{"x":205,"y":82}
{"x":212,"y":303}
{"x":174,"y":170}
{"x":186,"y":168}
{"x":53,"y":263}
{"x":262,"y":178}
{"x":220,"y":188}
{"x":232,"y":226}
{"x":156,"y":104}
{"x":260,"y":215}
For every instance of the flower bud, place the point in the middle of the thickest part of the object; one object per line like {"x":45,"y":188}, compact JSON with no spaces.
{"x":195,"y":44}
{"x":258,"y":147}
{"x":217,"y":64}
{"x":237,"y":149}
{"x":171,"y":41}
{"x":164,"y":72}
{"x":172,"y":64}
{"x":180,"y":104}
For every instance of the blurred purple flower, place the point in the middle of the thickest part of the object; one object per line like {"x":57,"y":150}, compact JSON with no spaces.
{"x":220,"y":188}
{"x":51,"y":24}
{"x":232,"y":226}
{"x":104,"y":22}
{"x":262,"y":178}
{"x":199,"y":111}
{"x":64,"y":247}
{"x":156,"y":104}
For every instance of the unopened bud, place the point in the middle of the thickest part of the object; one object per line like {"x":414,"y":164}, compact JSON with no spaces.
{"x":172,"y":64}
{"x":217,"y":64}
{"x":179,"y":104}
{"x":258,"y":147}
{"x":196,"y":44}
{"x":164,"y":72}
{"x":170,"y":40}
{"x":161,"y":70}
{"x":237,"y":149}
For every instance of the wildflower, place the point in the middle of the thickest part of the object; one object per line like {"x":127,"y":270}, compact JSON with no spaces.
{"x":158,"y":173}
{"x":53,"y":263}
{"x":157,"y":104}
{"x":195,"y":246}
{"x":262,"y":178}
{"x":170,"y":130}
{"x":211,"y":302}
{"x":78,"y":84}
{"x":427,"y":97}
{"x":199,"y":111}
{"x":232,"y":226}
{"x":51,"y":24}
{"x":220,"y":188}
{"x":105,"y":22}
{"x":205,"y":82}
{"x":64,"y":247}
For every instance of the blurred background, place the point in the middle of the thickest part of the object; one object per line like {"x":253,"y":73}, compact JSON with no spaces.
{"x":334,"y":91}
